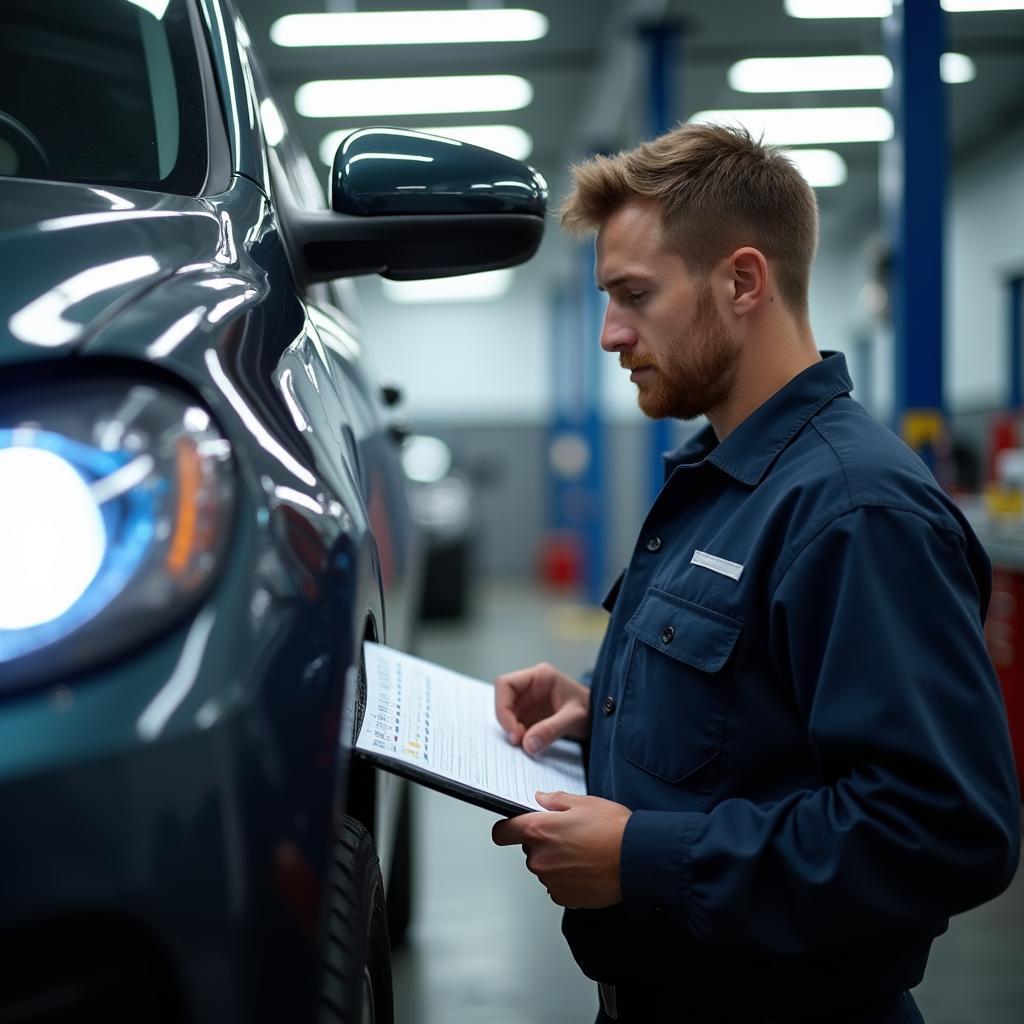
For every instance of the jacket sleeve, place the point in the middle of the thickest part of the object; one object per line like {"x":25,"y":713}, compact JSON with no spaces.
{"x":876,"y":625}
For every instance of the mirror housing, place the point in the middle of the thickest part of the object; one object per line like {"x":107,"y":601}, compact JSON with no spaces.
{"x":408,"y":205}
{"x":393,"y":171}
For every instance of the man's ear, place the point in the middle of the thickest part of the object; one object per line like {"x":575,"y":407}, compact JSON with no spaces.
{"x":748,"y":271}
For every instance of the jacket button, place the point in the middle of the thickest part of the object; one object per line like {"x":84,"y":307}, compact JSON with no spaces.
{"x":653,"y":543}
{"x":609,"y":705}
{"x":667,"y":634}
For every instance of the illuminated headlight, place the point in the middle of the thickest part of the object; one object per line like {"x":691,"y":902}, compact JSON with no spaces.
{"x":115,"y":499}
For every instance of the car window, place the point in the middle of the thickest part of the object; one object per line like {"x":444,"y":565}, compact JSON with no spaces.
{"x":106,"y":92}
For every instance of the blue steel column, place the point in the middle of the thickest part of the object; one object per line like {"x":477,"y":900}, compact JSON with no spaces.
{"x":662,"y":41}
{"x":1016,"y":342}
{"x":595,"y":499}
{"x":577,"y":482}
{"x":913,"y":194}
{"x":564,"y":379}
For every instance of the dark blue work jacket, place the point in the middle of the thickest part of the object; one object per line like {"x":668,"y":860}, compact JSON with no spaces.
{"x":794,"y":698}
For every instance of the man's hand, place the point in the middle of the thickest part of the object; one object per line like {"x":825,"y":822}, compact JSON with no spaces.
{"x":535,"y":706}
{"x":575,"y":852}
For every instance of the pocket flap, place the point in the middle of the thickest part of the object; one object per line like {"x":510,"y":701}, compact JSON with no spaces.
{"x":690,"y":633}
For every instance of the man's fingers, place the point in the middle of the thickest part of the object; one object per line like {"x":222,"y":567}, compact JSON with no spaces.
{"x":514,"y":729}
{"x":558,"y":801}
{"x":520,"y":680}
{"x":510,"y":831}
{"x":507,"y":690}
{"x":504,"y":710}
{"x":565,"y":720}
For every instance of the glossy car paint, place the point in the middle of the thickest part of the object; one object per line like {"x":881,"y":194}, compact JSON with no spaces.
{"x":392,"y":171}
{"x":187,"y":786}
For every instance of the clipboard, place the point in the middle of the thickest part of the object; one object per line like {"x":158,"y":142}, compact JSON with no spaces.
{"x":437,"y":728}
{"x":440,"y":784}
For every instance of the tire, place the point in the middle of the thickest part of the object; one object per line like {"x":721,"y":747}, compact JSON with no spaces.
{"x":356,"y":987}
{"x":400,"y":875}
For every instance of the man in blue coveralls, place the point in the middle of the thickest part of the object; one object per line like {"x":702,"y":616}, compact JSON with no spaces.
{"x":798,"y":755}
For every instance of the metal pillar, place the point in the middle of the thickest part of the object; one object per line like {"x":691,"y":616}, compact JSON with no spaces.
{"x":576,"y":441}
{"x":1015,"y":291}
{"x":565,"y":375}
{"x":663,"y":45}
{"x":594,"y":498}
{"x":913,"y":194}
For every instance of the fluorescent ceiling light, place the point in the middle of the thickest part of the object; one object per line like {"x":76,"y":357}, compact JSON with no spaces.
{"x":821,"y":74}
{"x":808,"y":125}
{"x":839,"y":8}
{"x":810,"y":74}
{"x":823,"y":168}
{"x":468,"y":288}
{"x":376,"y":28}
{"x":502,"y":138}
{"x":883,"y":8}
{"x":958,"y":6}
{"x":444,"y":94}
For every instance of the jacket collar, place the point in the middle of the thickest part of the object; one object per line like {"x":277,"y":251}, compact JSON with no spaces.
{"x":749,"y":451}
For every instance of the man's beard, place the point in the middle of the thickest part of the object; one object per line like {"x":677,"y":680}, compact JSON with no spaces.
{"x":696,"y":374}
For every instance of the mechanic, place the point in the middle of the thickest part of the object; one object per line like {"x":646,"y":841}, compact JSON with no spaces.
{"x":798,"y":755}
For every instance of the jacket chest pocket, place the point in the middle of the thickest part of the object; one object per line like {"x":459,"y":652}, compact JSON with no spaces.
{"x":678,"y":688}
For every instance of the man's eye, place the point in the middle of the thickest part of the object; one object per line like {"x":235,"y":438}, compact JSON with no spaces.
{"x":636,"y":297}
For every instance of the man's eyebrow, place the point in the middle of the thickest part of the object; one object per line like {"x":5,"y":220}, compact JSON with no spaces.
{"x":620,"y":279}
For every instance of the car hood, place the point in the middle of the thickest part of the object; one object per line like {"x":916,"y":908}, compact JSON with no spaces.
{"x":75,"y":255}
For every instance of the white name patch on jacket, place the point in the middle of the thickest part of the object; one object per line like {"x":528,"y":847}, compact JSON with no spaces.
{"x":720,"y":565}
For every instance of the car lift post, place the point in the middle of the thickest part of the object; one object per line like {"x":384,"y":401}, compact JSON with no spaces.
{"x":913,"y":188}
{"x":663,"y":43}
{"x":575,"y":548}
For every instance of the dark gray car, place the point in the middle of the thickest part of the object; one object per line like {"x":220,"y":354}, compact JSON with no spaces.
{"x":201,"y":518}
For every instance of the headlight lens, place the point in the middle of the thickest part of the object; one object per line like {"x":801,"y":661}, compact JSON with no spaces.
{"x":52,"y":535}
{"x":114,"y":503}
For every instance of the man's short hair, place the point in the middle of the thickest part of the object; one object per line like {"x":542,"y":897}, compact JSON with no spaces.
{"x":718,"y":189}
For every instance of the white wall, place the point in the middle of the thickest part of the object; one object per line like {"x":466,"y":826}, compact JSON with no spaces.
{"x":485,"y":361}
{"x":985,"y":246}
{"x":465,"y":362}
{"x":839,"y":316}
{"x":837,"y":278}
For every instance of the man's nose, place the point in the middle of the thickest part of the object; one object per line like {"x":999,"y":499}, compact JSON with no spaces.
{"x":616,"y":335}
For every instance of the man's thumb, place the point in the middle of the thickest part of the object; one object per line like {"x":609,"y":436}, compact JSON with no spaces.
{"x":557,"y":801}
{"x":546,"y":731}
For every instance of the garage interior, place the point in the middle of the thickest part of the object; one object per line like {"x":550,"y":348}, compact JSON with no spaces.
{"x":547,"y":422}
{"x":525,"y":462}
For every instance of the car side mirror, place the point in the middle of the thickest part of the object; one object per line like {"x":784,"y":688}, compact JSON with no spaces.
{"x":389,"y":171}
{"x":408,"y":205}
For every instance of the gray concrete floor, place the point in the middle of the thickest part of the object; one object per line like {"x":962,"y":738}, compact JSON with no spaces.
{"x":485,"y":944}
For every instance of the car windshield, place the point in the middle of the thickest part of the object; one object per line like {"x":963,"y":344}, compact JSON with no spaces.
{"x":104,"y":91}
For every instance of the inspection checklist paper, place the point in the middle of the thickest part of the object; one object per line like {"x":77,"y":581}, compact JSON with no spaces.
{"x":438,"y":727}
